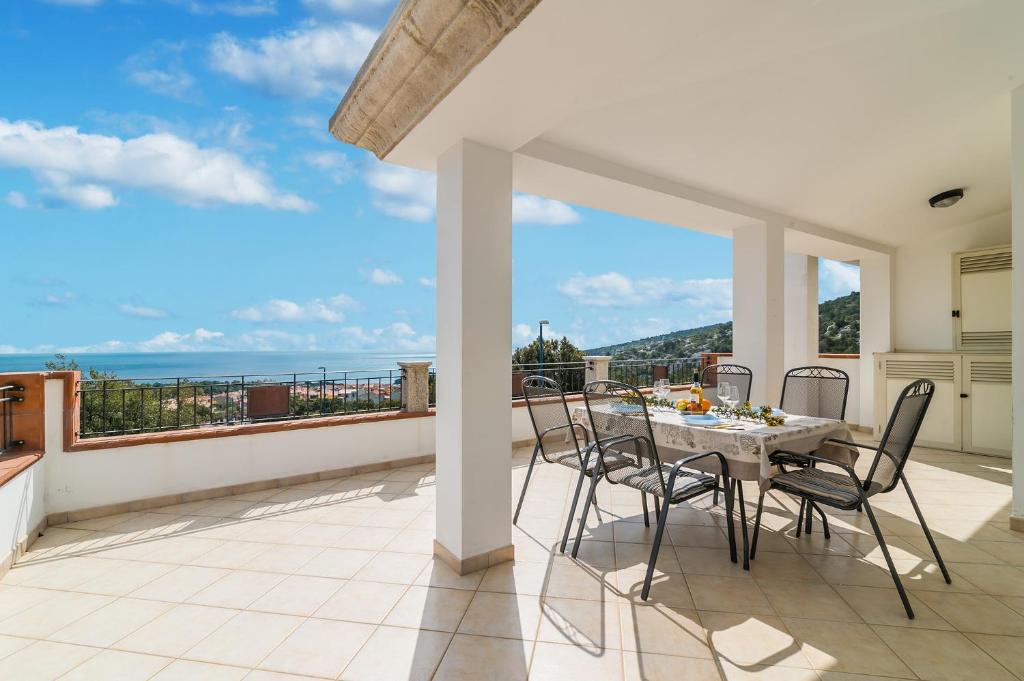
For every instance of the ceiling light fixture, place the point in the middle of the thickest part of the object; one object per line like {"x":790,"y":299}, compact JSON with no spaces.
{"x":946,"y":199}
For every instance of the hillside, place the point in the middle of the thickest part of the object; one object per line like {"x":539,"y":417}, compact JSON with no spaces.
{"x":838,"y":322}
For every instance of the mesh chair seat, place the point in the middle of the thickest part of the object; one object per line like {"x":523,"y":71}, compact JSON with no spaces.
{"x":648,"y":480}
{"x":787,"y":459}
{"x":570,"y":458}
{"x":837,"y":488}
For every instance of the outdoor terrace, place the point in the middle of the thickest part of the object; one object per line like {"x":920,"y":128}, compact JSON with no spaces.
{"x":334,"y":579}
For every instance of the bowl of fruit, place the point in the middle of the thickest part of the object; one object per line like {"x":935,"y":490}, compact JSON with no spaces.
{"x":687,"y":407}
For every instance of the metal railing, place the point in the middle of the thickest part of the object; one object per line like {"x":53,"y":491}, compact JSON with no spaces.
{"x":123,"y":406}
{"x":643,"y":372}
{"x":571,"y":376}
{"x":9,"y":394}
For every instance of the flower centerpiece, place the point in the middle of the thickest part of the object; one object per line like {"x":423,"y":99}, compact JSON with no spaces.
{"x":748,"y":412}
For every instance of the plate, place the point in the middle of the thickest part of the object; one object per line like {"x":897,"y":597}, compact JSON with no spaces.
{"x":627,"y":409}
{"x":701,"y":419}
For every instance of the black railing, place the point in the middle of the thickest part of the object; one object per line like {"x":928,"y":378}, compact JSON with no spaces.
{"x":122,"y":407}
{"x":571,"y":376}
{"x":643,"y":372}
{"x":9,"y":394}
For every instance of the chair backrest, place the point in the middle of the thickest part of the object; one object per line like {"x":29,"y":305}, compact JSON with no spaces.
{"x":548,"y":410}
{"x":733,"y":374}
{"x":898,"y":439}
{"x":815,"y":391}
{"x":616,"y":410}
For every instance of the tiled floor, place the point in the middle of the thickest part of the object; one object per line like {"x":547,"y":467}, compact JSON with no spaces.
{"x":335,"y":580}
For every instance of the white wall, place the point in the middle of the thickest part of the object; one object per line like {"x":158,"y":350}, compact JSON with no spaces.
{"x":922,"y":285}
{"x":852,"y":367}
{"x":78,"y":480}
{"x":21,"y":508}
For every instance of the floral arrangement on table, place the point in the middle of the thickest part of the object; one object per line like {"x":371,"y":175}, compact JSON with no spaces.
{"x":748,"y":412}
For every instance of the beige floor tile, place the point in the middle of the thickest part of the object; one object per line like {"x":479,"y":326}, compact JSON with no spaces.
{"x":654,"y":667}
{"x":297,"y":595}
{"x":413,"y":541}
{"x":757,"y":672}
{"x":423,"y":607}
{"x":47,"y":616}
{"x":356,"y":601}
{"x":44,"y":661}
{"x":116,"y":665}
{"x":10,"y":644}
{"x":232,"y":554}
{"x":845,"y":647}
{"x":1008,"y":552}
{"x":103,"y":627}
{"x":883,"y":606}
{"x":811,"y":600}
{"x":569,"y":580}
{"x":177,"y":549}
{"x":592,"y":624}
{"x":180,"y":584}
{"x":694,"y":535}
{"x":518,"y":577}
{"x":728,"y":594}
{"x":436,"y":573}
{"x":316,"y":534}
{"x":188,"y":670}
{"x":666,"y":589}
{"x":850,"y":571}
{"x":284,"y":559}
{"x":318,"y":648}
{"x":638,"y":556}
{"x":998,"y":580}
{"x":662,"y":630}
{"x":551,"y":660}
{"x":237,"y":589}
{"x":694,"y":560}
{"x":942,"y":655}
{"x":123,"y":579}
{"x":1007,"y":650}
{"x":398,"y":654}
{"x":177,"y":630}
{"x":770,"y":565}
{"x":502,"y":615}
{"x":266,"y":675}
{"x":15,"y":599}
{"x":503,"y":659}
{"x":975,"y":613}
{"x":245,"y":639}
{"x":336,"y":563}
{"x":396,"y":568}
{"x":368,"y":538}
{"x":748,"y":640}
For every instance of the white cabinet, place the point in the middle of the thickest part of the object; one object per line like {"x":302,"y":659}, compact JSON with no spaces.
{"x":981,"y":300}
{"x":971,"y":408}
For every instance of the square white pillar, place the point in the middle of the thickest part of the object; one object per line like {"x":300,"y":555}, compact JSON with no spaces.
{"x":875,"y":329}
{"x":758,"y":307}
{"x":474,"y":350}
{"x":801,"y":311}
{"x":1017,"y":240}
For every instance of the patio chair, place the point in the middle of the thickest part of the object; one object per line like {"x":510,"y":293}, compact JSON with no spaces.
{"x":558,"y":439}
{"x":734,"y":374}
{"x":622,"y":431}
{"x":845,"y":491}
{"x":812,"y":391}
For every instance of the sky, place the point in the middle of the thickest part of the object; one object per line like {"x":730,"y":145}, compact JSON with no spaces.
{"x":167,"y":183}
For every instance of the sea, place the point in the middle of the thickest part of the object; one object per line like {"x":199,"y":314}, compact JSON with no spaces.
{"x":157,"y":365}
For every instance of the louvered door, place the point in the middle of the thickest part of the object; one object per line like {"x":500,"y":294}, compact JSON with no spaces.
{"x":981,"y":300}
{"x":942,"y":425}
{"x":987,"y":408}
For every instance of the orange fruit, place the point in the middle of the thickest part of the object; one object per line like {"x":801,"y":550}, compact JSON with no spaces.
{"x":705,"y":405}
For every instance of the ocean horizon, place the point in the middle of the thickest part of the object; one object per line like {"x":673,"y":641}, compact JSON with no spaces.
{"x":155,"y":365}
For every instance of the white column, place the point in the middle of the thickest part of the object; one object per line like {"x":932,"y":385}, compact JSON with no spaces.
{"x":757,"y":307}
{"x":801,"y":311}
{"x":1017,"y":239}
{"x":597,"y":367}
{"x":474,"y":350}
{"x":875,"y":329}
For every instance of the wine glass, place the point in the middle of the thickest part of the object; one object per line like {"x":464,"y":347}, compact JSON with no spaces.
{"x":725,"y":394}
{"x":662,"y":388}
{"x":734,"y":394}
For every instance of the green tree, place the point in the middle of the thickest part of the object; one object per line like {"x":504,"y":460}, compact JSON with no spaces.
{"x":563,"y":362}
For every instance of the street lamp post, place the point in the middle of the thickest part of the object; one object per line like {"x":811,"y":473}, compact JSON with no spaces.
{"x":540,"y":349}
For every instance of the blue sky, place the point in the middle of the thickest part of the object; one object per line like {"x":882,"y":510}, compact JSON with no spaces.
{"x":167,"y":183}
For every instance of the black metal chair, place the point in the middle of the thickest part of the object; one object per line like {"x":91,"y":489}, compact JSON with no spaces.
{"x":622,"y":430}
{"x":559,"y":440}
{"x":812,"y":391}
{"x":846,"y":491}
{"x":733,"y":374}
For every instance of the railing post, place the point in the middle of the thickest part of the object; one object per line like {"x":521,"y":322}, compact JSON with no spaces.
{"x":415,"y":386}
{"x":597,"y":367}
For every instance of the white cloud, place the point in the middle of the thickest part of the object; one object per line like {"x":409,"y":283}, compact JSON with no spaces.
{"x":280,"y":310}
{"x":334,"y":163}
{"x":411,"y":194}
{"x":343,"y":6}
{"x":160,"y":70}
{"x":529,"y":209}
{"x":398,"y":336}
{"x":238,"y":8}
{"x":16,"y":199}
{"x":142,"y":311}
{"x":62,"y":299}
{"x":428,"y":282}
{"x":304,"y":62}
{"x":710,"y":298}
{"x":77,"y":168}
{"x":837,"y":279}
{"x":383,"y":277}
{"x":523,"y":332}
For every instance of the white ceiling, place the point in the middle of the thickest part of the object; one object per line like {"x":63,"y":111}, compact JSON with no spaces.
{"x":848,"y":115}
